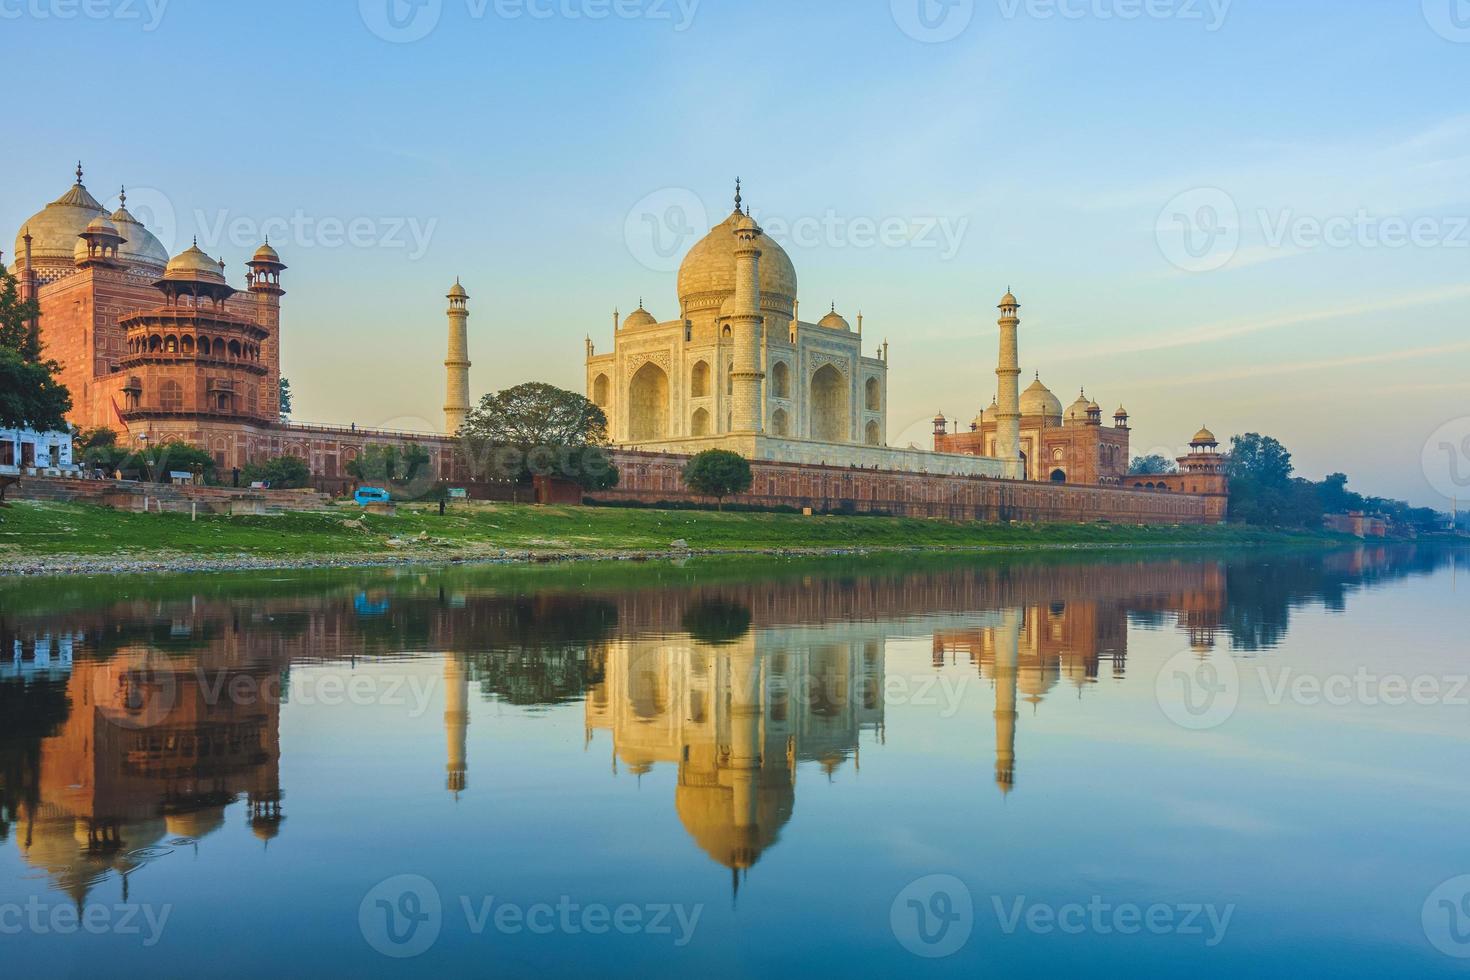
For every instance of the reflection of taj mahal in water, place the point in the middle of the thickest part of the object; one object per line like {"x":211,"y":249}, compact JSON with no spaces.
{"x":114,"y":750}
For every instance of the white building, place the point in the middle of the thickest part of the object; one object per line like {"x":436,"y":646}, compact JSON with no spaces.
{"x":23,"y":449}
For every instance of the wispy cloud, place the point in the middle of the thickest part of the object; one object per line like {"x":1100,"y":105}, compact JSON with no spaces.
{"x":1271,"y":370}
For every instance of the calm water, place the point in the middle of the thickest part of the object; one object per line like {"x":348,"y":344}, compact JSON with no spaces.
{"x":1227,"y":766}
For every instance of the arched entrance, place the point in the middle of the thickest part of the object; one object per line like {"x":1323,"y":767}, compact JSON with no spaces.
{"x":780,"y":423}
{"x":699,"y":423}
{"x":648,"y":404}
{"x":871,"y":435}
{"x":829,"y":405}
{"x":1058,"y":476}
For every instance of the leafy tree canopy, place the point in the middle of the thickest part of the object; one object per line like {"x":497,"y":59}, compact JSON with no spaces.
{"x":1152,"y":465}
{"x":718,"y":473}
{"x":30,"y":395}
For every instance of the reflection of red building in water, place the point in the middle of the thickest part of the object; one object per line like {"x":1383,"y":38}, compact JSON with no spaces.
{"x":152,"y":753}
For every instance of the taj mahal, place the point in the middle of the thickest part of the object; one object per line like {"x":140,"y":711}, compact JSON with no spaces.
{"x":164,"y":349}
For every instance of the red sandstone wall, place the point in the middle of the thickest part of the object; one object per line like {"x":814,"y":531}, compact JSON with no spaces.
{"x":651,"y":478}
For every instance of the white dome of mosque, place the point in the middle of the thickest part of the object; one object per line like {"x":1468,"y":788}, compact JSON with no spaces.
{"x":1038,"y":400}
{"x":707,"y":275}
{"x":142,"y":246}
{"x":834,"y":320}
{"x":639,"y":318}
{"x":54,"y":229}
{"x":1077,"y":411}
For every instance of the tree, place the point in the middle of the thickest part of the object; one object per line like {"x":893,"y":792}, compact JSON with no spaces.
{"x":538,"y":429}
{"x":283,"y":399}
{"x":30,"y":395}
{"x":1153,"y":465}
{"x":281,"y":472}
{"x":718,"y":473}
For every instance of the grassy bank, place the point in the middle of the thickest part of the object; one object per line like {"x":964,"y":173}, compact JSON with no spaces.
{"x":30,"y":531}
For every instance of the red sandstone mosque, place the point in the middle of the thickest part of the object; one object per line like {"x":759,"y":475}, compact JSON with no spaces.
{"x":164,"y":349}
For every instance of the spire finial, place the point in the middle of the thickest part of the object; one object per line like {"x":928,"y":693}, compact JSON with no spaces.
{"x":122,"y":196}
{"x":196,"y":241}
{"x":737,"y":194}
{"x":79,"y":173}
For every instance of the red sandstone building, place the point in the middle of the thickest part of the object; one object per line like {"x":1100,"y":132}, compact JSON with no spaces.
{"x":164,"y":349}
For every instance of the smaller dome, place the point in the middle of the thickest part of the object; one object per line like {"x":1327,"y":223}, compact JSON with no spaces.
{"x":834,"y":320}
{"x":267,"y":254}
{"x":1093,"y":406}
{"x":1009,"y":299}
{"x":1077,"y":411}
{"x":639,"y":318}
{"x":1121,"y":413}
{"x":1038,"y":400}
{"x":101,"y":226}
{"x":1204,"y":437}
{"x":193,"y":263}
{"x":456,"y":291}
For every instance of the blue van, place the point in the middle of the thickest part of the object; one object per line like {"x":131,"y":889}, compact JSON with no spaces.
{"x":370,"y":495}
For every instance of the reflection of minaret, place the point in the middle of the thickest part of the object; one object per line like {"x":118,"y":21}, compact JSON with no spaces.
{"x":456,"y":721}
{"x":1007,"y":649}
{"x":746,"y":688}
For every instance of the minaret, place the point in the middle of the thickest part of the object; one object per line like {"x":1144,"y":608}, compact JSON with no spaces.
{"x":747,"y":709}
{"x":456,"y":723}
{"x":1008,"y":419}
{"x":457,"y":364}
{"x":746,"y":322}
{"x":1007,"y":653}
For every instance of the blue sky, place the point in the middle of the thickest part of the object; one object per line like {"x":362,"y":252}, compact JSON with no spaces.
{"x":1049,"y":145}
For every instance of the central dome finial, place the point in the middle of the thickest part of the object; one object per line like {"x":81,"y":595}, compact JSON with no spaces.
{"x":737,"y":195}
{"x":79,"y":173}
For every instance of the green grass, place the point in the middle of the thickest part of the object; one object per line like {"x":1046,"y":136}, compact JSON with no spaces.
{"x":41,"y":529}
